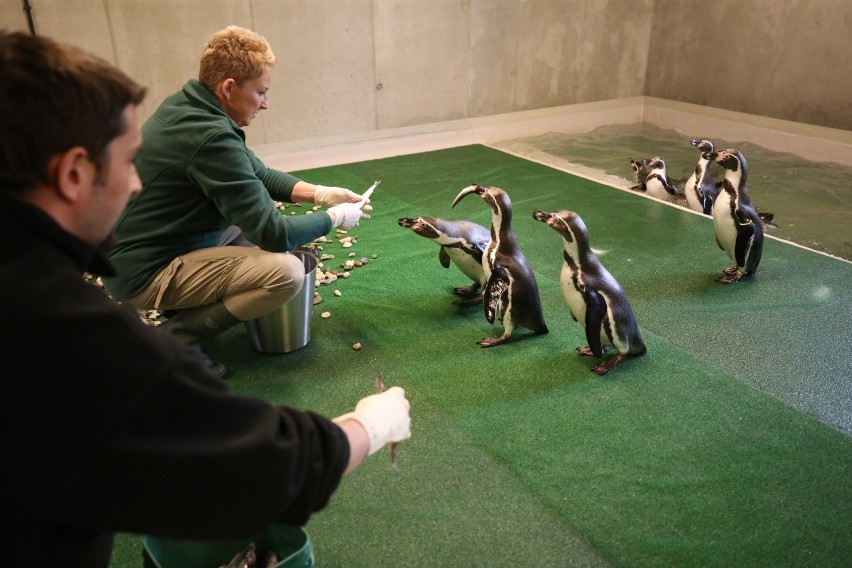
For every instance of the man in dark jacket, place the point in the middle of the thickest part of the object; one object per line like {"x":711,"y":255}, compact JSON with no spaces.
{"x":105,"y":418}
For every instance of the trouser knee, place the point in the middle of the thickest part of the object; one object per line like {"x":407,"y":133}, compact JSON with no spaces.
{"x":281,"y":278}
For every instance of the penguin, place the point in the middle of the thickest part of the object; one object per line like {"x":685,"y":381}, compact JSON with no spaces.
{"x":594,"y":297}
{"x":461,"y":243}
{"x":657,"y":182}
{"x":511,"y":291}
{"x":739,"y":229}
{"x":700,"y":189}
{"x":639,"y":174}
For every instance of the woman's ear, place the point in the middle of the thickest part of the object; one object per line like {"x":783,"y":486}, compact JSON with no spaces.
{"x":227,"y":86}
{"x":72,"y":172}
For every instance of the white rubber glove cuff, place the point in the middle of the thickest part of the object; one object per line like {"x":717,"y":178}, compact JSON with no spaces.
{"x":384,"y":417}
{"x":345,"y":215}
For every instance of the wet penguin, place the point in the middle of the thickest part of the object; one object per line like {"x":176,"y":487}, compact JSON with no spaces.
{"x":594,"y":297}
{"x":700,"y":189}
{"x":511,"y":291}
{"x":461,"y":243}
{"x":739,"y":230}
{"x":657,"y":182}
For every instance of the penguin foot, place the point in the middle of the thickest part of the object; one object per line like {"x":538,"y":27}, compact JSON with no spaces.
{"x":466,"y":290}
{"x":603,"y":367}
{"x":731,"y":277}
{"x":492,"y":341}
{"x":731,"y":271}
{"x":587,"y":351}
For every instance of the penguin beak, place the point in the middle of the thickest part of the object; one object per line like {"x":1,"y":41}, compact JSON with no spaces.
{"x":475,"y":188}
{"x":406,"y":222}
{"x":542,"y":216}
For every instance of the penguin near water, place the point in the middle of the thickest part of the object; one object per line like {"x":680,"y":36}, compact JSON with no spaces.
{"x":657,"y":182}
{"x":461,"y":243}
{"x":739,"y":229}
{"x":511,"y":291}
{"x":700,"y":189}
{"x":640,"y":173}
{"x":594,"y":297}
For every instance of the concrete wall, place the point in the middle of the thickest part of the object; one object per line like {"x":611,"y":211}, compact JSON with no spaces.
{"x":787,"y":59}
{"x":359,"y":66}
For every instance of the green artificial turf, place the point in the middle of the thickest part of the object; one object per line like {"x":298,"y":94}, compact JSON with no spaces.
{"x":723,"y":446}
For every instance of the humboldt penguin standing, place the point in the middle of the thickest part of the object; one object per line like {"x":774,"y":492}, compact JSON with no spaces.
{"x":461,"y":243}
{"x":657,"y":182}
{"x":739,"y":230}
{"x":700,"y":189}
{"x":594,"y":297}
{"x":511,"y":291}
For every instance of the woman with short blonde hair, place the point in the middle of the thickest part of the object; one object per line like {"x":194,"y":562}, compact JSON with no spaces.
{"x":235,"y":53}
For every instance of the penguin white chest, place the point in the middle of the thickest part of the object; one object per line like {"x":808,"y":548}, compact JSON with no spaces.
{"x":470,"y":266}
{"x":692,"y":189}
{"x":573,"y":297}
{"x":724,"y":223}
{"x":655,"y":186}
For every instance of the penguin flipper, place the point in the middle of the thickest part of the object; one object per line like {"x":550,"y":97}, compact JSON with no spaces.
{"x":595,"y":311}
{"x":706,"y":202}
{"x":444,"y":258}
{"x":745,"y":237}
{"x":496,"y":294}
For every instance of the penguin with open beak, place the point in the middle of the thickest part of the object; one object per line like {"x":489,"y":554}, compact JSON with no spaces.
{"x":511,"y":291}
{"x":594,"y":297}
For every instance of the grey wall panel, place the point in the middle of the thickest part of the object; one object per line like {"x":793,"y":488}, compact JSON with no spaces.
{"x":439,"y":60}
{"x":788,"y":59}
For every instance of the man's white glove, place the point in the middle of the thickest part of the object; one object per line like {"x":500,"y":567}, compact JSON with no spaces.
{"x":328,"y":196}
{"x":384,"y":416}
{"x":345,"y":215}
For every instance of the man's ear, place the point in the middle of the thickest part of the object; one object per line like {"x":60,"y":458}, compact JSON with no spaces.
{"x":72,"y":172}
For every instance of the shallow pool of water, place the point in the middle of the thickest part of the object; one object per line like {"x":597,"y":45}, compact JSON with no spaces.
{"x":811,"y":201}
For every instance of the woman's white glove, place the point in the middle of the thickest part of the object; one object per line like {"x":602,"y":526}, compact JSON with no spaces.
{"x":328,"y":196}
{"x":384,"y":416}
{"x":345,"y":215}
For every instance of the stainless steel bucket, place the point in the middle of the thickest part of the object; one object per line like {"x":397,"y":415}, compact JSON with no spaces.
{"x":288,"y":327}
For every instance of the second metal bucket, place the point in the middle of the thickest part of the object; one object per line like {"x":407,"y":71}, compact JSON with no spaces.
{"x":288,"y":327}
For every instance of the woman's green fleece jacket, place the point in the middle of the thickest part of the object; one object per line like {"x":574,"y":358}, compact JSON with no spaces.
{"x":198,"y":178}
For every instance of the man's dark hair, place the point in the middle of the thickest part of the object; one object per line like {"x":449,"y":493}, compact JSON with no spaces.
{"x":55,"y":97}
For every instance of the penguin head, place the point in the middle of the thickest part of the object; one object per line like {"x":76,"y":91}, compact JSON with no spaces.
{"x":570,"y":226}
{"x":730,"y":159}
{"x":423,"y":226}
{"x":735,"y":165}
{"x":495,"y":197}
{"x":638,"y":169}
{"x":702,"y":144}
{"x":655,"y":163}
